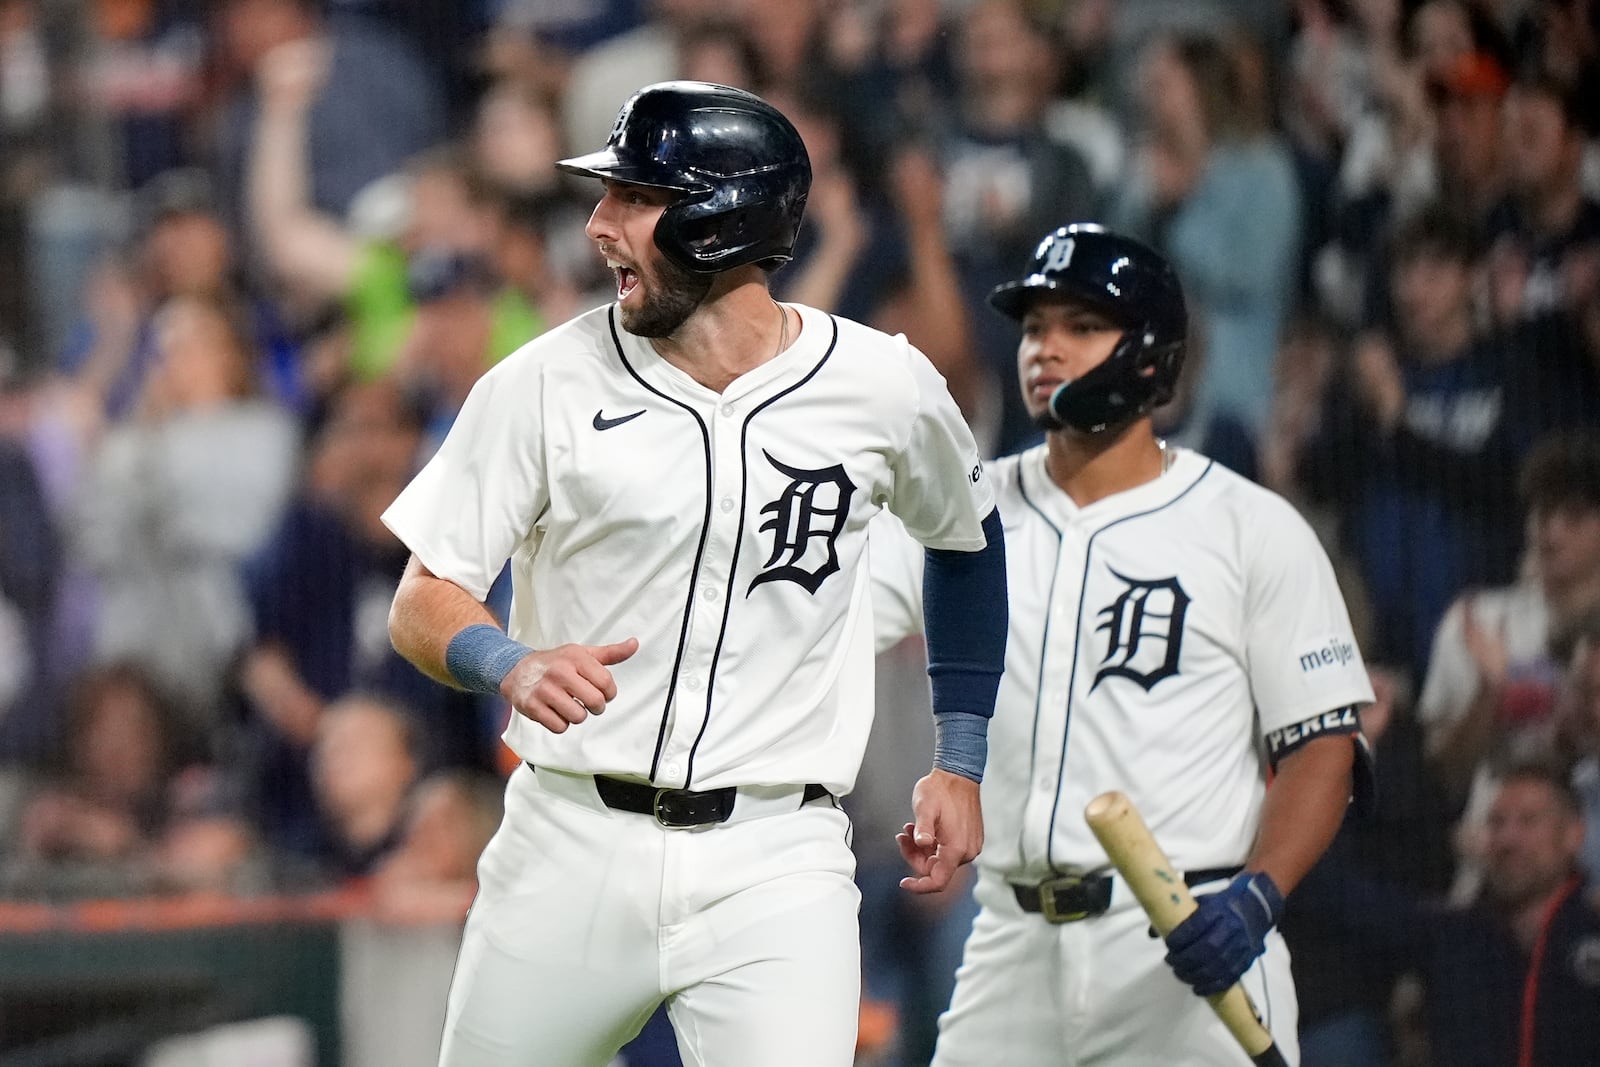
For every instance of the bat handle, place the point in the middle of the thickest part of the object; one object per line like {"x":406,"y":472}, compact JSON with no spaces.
{"x":1270,"y":1058}
{"x":1166,"y":899}
{"x":1238,"y":1013}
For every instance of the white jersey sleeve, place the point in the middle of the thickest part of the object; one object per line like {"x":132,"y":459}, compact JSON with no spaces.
{"x":895,"y":563}
{"x":1301,"y":652}
{"x":939,"y":451}
{"x":477,"y":499}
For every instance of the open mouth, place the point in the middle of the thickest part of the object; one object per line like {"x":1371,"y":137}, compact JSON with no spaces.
{"x":627,"y":280}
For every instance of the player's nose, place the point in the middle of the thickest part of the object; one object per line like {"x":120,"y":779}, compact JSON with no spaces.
{"x":603,"y":221}
{"x":1050,"y":346}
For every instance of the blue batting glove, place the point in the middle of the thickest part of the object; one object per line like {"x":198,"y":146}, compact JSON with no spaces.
{"x":1211,"y":949}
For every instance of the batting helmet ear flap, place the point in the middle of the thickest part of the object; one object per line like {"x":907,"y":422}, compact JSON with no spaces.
{"x":738,"y":222}
{"x":1161,"y":363}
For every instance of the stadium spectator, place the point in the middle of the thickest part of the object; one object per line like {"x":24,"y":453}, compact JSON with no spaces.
{"x":1493,"y":676}
{"x":444,"y":207}
{"x":516,"y":140}
{"x":111,"y":791}
{"x":1545,"y":257}
{"x":142,"y":70}
{"x":378,"y":105}
{"x":319,"y":592}
{"x":1420,"y":441}
{"x":30,"y":576}
{"x":178,"y":497}
{"x":363,"y":770}
{"x":1005,"y":179}
{"x":1512,"y":977}
{"x":1564,"y":39}
{"x":603,"y":77}
{"x":431,"y":873}
{"x":180,"y":247}
{"x":1215,"y":189}
{"x":1579,"y":736}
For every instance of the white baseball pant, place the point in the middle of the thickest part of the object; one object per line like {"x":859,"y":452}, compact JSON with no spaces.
{"x":586,"y":918}
{"x":1094,"y":993}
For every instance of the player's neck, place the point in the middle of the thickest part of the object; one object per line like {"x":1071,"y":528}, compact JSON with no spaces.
{"x":736,"y":329}
{"x":1090,"y":468}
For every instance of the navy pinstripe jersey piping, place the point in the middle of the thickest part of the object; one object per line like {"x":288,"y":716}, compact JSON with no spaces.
{"x":700,"y":550}
{"x":1077,"y":644}
{"x":738,"y":540}
{"x":1044,"y":644}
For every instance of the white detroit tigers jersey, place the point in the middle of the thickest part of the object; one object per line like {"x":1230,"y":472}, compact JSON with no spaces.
{"x":1157,"y":638}
{"x":725,"y":531}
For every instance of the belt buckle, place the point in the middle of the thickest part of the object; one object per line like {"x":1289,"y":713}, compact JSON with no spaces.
{"x":1047,"y":899}
{"x":669,"y":815}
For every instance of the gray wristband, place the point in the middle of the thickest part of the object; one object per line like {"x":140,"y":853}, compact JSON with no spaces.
{"x":960,"y":743}
{"x":480,"y":657}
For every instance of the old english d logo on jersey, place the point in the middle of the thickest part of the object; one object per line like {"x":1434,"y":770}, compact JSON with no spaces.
{"x":1144,"y":631}
{"x":806,"y":520}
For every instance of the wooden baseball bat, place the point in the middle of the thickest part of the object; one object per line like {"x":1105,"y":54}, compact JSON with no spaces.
{"x":1167,"y":900}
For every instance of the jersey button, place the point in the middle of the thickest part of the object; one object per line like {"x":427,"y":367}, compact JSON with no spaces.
{"x":727,"y":411}
{"x":692,"y":684}
{"x":673,"y":770}
{"x":727,"y":503}
{"x":709,"y":593}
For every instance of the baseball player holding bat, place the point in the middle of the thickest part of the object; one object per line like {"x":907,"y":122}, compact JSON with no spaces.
{"x":1176,"y":634}
{"x":683,"y":481}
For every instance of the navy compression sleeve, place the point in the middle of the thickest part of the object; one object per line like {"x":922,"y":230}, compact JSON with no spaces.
{"x":965,"y":618}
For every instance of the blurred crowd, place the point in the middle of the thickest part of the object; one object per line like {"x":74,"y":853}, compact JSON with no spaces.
{"x":254,"y":253}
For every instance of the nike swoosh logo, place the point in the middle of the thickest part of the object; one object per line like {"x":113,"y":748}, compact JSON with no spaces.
{"x":603,"y":423}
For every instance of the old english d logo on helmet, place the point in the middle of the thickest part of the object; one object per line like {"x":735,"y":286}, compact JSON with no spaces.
{"x":738,"y":163}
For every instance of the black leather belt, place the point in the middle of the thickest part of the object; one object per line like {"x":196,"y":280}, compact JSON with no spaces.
{"x":1072,"y":897}
{"x":679,"y":808}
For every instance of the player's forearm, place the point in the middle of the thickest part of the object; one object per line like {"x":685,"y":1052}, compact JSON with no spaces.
{"x":305,"y":249}
{"x":1303,"y":810}
{"x":1467,"y":741}
{"x":965,"y":617}
{"x":940,"y":312}
{"x":428,"y":611}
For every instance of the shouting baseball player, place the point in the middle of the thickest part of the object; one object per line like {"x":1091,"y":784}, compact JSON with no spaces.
{"x":683,"y":482}
{"x":1176,"y":633}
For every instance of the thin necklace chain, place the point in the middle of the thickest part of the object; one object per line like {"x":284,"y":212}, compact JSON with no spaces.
{"x":783,"y":329}
{"x":1167,"y":456}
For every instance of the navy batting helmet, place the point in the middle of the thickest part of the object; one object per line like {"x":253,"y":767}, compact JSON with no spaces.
{"x":1138,"y":290}
{"x":739,"y":164}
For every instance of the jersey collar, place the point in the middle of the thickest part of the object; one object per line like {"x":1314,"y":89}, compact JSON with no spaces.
{"x":778,"y":373}
{"x":1187,"y":467}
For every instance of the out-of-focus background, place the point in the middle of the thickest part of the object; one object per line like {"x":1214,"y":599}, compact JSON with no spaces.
{"x":254,"y":253}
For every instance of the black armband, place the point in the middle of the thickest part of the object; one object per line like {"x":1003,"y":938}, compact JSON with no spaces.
{"x":1281,"y":742}
{"x":1344,"y":721}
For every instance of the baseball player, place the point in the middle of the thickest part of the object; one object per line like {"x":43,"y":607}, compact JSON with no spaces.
{"x":1176,"y":633}
{"x":683,"y":482}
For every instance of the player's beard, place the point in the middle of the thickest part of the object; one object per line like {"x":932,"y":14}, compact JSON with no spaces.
{"x":672,"y":297}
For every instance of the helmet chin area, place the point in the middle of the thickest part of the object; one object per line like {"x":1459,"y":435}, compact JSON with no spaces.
{"x":1093,"y":412}
{"x":1099,"y":401}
